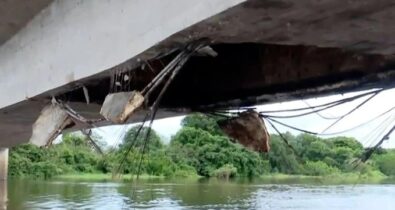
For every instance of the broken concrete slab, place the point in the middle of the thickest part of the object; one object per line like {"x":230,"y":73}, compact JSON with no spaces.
{"x":117,"y":107}
{"x":49,"y":125}
{"x":249,"y":130}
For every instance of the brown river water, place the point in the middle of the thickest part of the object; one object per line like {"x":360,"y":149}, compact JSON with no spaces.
{"x":196,"y":194}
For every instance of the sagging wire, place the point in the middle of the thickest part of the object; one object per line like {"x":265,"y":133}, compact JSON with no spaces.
{"x":334,"y":133}
{"x":88,"y":134}
{"x":155,"y":106}
{"x":173,"y":67}
{"x":121,"y":132}
{"x":352,"y":110}
{"x":321,"y":107}
{"x":270,"y":120}
{"x":282,"y":137}
{"x":373,"y":134}
{"x":367,"y":154}
{"x":318,"y":113}
{"x":376,"y":132}
{"x":132,"y":143}
{"x":372,"y":94}
{"x":302,"y":114}
{"x":285,"y":140}
{"x":162,"y":74}
{"x":371,"y":150}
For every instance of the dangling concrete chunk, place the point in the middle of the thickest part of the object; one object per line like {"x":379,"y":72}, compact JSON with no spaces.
{"x":117,"y":107}
{"x":249,"y":130}
{"x":49,"y":125}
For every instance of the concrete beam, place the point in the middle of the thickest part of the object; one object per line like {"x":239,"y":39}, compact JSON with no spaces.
{"x":16,"y":13}
{"x":71,"y":40}
{"x":249,"y":74}
{"x":3,"y":164}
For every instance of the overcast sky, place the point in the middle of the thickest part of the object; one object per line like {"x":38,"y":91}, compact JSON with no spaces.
{"x":368,"y":135}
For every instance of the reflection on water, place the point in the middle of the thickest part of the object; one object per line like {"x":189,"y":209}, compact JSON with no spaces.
{"x":203,"y":194}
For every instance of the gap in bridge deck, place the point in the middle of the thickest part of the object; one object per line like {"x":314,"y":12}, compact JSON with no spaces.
{"x":250,"y":69}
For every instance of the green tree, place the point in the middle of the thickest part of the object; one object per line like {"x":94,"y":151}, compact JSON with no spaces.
{"x":281,"y":157}
{"x":319,"y":168}
{"x":207,"y":153}
{"x":317,"y":150}
{"x":153,"y":142}
{"x":386,"y":163}
{"x":342,"y":155}
{"x":342,"y":141}
{"x":202,"y":121}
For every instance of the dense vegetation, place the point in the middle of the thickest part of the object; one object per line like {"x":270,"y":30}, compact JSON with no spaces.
{"x":200,"y":148}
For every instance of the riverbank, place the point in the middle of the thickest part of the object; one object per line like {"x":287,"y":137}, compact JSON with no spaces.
{"x":100,"y":176}
{"x":199,"y":148}
{"x":343,"y":178}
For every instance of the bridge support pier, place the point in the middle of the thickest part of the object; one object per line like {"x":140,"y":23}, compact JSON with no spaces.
{"x":3,"y":164}
{"x":3,"y":177}
{"x":3,"y":195}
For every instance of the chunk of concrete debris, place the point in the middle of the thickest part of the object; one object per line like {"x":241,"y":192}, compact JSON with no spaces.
{"x":249,"y":130}
{"x":49,"y":124}
{"x":207,"y":51}
{"x":117,"y":107}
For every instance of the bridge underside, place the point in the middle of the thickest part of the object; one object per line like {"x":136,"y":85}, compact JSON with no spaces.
{"x":268,"y":51}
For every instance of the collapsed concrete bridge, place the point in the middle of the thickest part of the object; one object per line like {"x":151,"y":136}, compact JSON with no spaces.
{"x":267,"y":51}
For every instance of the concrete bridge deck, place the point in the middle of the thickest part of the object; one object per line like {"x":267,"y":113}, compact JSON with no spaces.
{"x":268,"y":51}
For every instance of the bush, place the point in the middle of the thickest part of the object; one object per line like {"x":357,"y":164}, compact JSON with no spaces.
{"x":44,"y":170}
{"x":386,"y":163}
{"x":206,"y":153}
{"x":282,"y":159}
{"x":319,"y":168}
{"x":184,"y":171}
{"x":225,"y":172}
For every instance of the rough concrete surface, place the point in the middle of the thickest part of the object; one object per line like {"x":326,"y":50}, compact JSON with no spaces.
{"x":3,"y":163}
{"x":268,"y":51}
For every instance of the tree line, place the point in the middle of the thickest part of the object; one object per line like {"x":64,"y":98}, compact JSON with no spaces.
{"x":200,"y":149}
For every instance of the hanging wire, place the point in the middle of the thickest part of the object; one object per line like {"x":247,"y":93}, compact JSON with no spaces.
{"x":282,"y":137}
{"x":373,"y":135}
{"x":270,"y":120}
{"x":132,"y":143}
{"x":321,"y":107}
{"x":149,"y":66}
{"x":333,"y":133}
{"x":303,"y":114}
{"x":155,"y":106}
{"x":121,"y":133}
{"x":351,"y":111}
{"x":174,"y":68}
{"x":370,"y":151}
{"x":88,"y":134}
{"x":162,"y":74}
{"x":298,"y":157}
{"x":318,"y":113}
